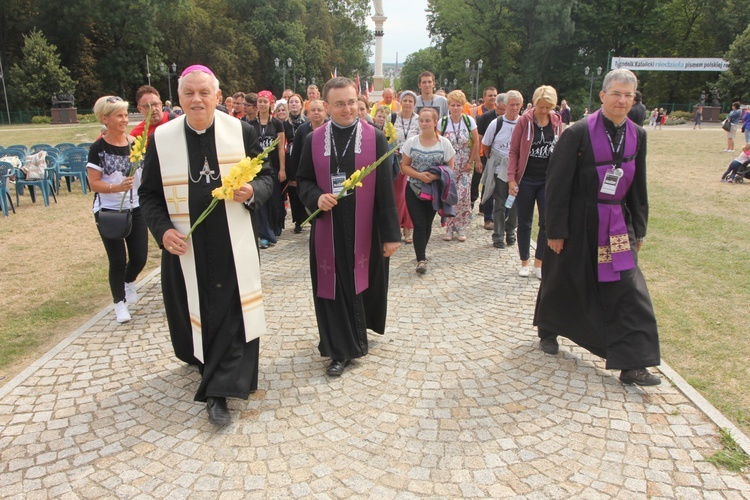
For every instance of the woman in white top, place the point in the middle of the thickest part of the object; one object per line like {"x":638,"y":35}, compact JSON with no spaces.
{"x":109,"y":177}
{"x":406,"y":124}
{"x":461,"y":130}
{"x":418,"y":154}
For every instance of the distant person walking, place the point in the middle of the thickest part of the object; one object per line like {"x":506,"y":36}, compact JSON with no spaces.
{"x":697,"y":117}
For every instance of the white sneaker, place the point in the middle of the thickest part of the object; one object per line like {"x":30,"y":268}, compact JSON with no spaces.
{"x":448,"y":236}
{"x":121,"y":311}
{"x":524,"y":272}
{"x":538,"y":272}
{"x":131,"y":294}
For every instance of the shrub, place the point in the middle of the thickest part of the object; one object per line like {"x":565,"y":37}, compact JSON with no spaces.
{"x":675,"y":121}
{"x":87,"y":119}
{"x":685,"y":115}
{"x":41,"y":120}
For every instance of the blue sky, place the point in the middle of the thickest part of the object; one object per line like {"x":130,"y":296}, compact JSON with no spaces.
{"x":405,"y":29}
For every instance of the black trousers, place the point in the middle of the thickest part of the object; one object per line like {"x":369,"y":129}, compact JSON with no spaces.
{"x":422,"y":214}
{"x":127,"y":257}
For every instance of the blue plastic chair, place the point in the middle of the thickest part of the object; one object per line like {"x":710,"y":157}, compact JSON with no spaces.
{"x":44,"y":185}
{"x":85,"y":145}
{"x":6,"y":170}
{"x":54,"y":166}
{"x":76,"y":160}
{"x":64,"y":145}
{"x":38,"y":147}
{"x":20,"y":147}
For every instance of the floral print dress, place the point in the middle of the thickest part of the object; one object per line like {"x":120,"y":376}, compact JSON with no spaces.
{"x":459,"y":137}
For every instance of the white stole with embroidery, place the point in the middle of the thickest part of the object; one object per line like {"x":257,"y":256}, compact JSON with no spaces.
{"x":175,"y":174}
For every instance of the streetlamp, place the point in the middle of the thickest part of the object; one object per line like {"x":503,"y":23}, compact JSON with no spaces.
{"x":283,"y":68}
{"x":472,"y":72}
{"x":586,"y":71}
{"x":445,"y":84}
{"x":170,"y":74}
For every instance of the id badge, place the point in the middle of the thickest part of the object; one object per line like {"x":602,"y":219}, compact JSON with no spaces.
{"x":337,"y":183}
{"x":611,"y":180}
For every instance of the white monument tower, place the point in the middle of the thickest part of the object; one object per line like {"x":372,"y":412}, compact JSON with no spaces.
{"x":378,"y":19}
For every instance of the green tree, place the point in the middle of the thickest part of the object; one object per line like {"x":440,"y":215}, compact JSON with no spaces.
{"x":38,"y":75}
{"x":735,"y":82}
{"x":423,"y":60}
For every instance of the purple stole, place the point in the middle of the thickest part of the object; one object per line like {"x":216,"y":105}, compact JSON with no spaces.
{"x":614,"y":245}
{"x":364,"y":201}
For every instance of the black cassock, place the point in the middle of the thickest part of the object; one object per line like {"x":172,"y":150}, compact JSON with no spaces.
{"x":614,"y":320}
{"x":230,"y":367}
{"x":343,"y":322}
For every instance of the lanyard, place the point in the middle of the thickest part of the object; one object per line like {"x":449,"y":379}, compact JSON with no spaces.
{"x":343,"y":153}
{"x":408,"y":129}
{"x":456,"y":131}
{"x":617,"y":152}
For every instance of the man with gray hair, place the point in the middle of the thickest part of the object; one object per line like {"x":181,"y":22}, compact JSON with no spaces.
{"x":211,"y":279}
{"x":596,"y":216}
{"x":496,"y":144}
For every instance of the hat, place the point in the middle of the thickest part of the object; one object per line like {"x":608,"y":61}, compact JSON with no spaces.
{"x":197,"y":67}
{"x":408,"y":92}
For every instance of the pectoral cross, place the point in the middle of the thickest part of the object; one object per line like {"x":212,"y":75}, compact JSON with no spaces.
{"x":207,"y":172}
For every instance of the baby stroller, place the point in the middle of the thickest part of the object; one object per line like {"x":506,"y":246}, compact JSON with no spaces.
{"x":742,"y":173}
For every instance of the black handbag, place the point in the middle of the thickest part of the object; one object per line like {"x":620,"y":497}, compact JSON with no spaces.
{"x":726,"y":125}
{"x":115,"y":224}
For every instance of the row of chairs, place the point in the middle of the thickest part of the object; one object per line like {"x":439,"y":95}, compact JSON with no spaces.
{"x":64,"y":161}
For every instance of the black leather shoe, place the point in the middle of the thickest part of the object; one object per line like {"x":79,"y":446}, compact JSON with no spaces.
{"x":641,"y":376}
{"x":549,"y":345}
{"x":297,"y":229}
{"x":510,"y":240}
{"x":337,"y":366}
{"x":218,"y":413}
{"x":498,"y":244}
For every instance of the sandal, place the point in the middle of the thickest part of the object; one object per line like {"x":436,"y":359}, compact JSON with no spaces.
{"x":407,"y":236}
{"x":422,"y":267}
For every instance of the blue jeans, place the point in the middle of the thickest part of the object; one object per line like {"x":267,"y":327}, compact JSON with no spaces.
{"x":530,"y":191}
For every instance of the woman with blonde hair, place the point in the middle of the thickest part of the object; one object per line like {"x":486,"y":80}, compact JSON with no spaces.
{"x":531,"y":145}
{"x":461,"y":130}
{"x":109,"y":177}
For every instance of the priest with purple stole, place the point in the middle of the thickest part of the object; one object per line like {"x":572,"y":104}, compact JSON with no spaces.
{"x":352,"y":239}
{"x":592,"y":291}
{"x":211,"y":280}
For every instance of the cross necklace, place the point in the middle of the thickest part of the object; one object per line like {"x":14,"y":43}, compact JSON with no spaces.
{"x":206,"y":172}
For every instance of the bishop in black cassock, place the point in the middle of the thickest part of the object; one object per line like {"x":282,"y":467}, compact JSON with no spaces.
{"x":229,"y":365}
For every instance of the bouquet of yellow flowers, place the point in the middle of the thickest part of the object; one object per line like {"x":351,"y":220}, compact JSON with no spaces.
{"x":138,"y":150}
{"x":354,"y":181}
{"x":390,"y":132}
{"x":240,"y":174}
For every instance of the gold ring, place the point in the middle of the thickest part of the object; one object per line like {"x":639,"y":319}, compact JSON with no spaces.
{"x":170,"y":248}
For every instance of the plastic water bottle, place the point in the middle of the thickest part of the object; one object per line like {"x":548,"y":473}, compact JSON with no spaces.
{"x":509,"y":200}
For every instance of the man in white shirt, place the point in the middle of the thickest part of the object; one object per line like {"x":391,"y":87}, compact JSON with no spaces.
{"x":496,"y":145}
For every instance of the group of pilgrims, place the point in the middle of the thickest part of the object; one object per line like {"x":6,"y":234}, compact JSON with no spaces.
{"x":587,"y":181}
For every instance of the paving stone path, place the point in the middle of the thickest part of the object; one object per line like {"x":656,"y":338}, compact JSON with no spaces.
{"x":455,"y":401}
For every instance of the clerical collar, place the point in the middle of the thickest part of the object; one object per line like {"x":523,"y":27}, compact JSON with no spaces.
{"x":199,"y":132}
{"x":344,"y":127}
{"x":610,"y":123}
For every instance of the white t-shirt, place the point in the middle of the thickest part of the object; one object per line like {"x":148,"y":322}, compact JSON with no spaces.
{"x":501,"y":142}
{"x":424,"y":157}
{"x":459,"y":128}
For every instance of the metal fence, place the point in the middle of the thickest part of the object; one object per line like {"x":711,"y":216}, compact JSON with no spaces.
{"x":25,"y":116}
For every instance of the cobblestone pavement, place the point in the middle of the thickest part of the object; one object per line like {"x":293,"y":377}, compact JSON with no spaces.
{"x":455,"y":401}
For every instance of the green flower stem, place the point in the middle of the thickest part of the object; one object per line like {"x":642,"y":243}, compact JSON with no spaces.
{"x":205,"y":213}
{"x":344,"y":192}
{"x":144,"y":135}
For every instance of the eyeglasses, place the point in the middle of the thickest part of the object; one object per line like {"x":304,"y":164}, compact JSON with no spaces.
{"x":114,"y":99}
{"x":628,"y":95}
{"x":152,"y":104}
{"x":344,"y":104}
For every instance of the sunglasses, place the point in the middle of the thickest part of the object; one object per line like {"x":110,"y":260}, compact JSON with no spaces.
{"x":114,"y":99}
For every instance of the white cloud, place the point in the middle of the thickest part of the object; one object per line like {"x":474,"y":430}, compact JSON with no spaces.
{"x":405,"y":29}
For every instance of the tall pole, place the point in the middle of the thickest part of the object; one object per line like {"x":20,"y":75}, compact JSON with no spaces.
{"x":5,"y":92}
